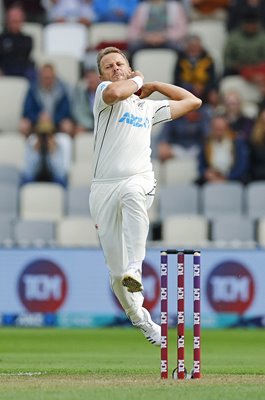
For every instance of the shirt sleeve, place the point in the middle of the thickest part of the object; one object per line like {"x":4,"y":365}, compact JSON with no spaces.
{"x":161,"y":112}
{"x":99,"y":103}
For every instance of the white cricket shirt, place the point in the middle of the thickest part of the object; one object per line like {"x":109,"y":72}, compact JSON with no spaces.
{"x":122,"y":135}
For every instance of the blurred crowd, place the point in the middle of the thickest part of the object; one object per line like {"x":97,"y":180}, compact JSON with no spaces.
{"x":226,"y":139}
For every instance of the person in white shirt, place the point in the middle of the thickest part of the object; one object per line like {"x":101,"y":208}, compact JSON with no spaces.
{"x":123,"y":185}
{"x":69,"y":11}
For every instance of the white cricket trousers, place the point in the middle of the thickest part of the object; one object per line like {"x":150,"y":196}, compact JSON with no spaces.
{"x":119,"y":210}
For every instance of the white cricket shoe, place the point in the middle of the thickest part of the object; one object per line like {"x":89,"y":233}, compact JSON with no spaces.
{"x":150,"y":329}
{"x":132,"y":280}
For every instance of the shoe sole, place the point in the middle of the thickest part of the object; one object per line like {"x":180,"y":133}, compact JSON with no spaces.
{"x":153,"y":342}
{"x":132,"y":284}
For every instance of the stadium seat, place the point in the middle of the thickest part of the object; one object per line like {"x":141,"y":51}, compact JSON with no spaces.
{"x":9,"y":197}
{"x":156,"y":64}
{"x":36,"y":233}
{"x":6,"y":231}
{"x":8,"y":132}
{"x":232,"y":228}
{"x":105,"y":34}
{"x":77,"y":200}
{"x":176,"y":171}
{"x":9,"y":174}
{"x":80,"y":174}
{"x":222,"y":198}
{"x":179,"y":199}
{"x":76,"y":231}
{"x":12,"y":93}
{"x":35,"y":30}
{"x":83,"y":147}
{"x":185,"y":230}
{"x":255,"y":199}
{"x":67,"y":66}
{"x":42,"y":201}
{"x":12,"y":149}
{"x":68,"y":38}
{"x":261,"y":232}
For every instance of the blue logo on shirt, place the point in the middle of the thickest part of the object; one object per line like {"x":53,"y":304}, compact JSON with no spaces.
{"x":131,"y":119}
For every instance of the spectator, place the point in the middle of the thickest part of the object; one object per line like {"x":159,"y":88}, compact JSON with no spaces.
{"x":32,"y":8}
{"x":47,"y":100}
{"x":244,"y":52}
{"x":257,"y":149}
{"x":16,"y":47}
{"x":83,"y":101}
{"x":223,"y":156}
{"x":238,"y":121}
{"x":48,"y":156}
{"x":183,"y":137}
{"x":239,"y":8}
{"x":157,"y":24}
{"x":195,"y":70}
{"x":114,"y":10}
{"x":209,"y":8}
{"x":69,"y":11}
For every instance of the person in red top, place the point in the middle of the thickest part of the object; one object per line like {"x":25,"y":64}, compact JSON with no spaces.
{"x":157,"y":24}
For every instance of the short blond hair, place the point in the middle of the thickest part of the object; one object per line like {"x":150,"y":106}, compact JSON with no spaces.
{"x":108,"y":50}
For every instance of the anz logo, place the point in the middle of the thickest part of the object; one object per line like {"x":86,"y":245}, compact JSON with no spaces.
{"x":131,"y":119}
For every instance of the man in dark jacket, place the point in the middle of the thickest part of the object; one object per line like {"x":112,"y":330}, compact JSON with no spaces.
{"x":15,"y":47}
{"x":195,"y":70}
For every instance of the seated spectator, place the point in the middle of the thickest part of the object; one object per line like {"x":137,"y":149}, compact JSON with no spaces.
{"x":114,"y":10}
{"x":47,"y":100}
{"x":257,"y":149}
{"x":195,"y":70}
{"x":157,"y":24}
{"x":184,"y":136}
{"x":223,"y":156}
{"x":83,"y":101}
{"x":209,"y":8}
{"x":69,"y":11}
{"x":32,"y":8}
{"x":16,"y":47}
{"x":239,"y":8}
{"x":244,"y":52}
{"x":240,"y":123}
{"x":47,"y":156}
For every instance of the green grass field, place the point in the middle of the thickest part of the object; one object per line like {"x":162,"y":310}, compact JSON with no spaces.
{"x":120,"y":364}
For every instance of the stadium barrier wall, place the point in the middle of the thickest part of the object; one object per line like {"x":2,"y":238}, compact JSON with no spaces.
{"x":70,"y":288}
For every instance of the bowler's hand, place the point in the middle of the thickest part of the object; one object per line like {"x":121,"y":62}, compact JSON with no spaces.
{"x":147,"y":89}
{"x":133,"y":74}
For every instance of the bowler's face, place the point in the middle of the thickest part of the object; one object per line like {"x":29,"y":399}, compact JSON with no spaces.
{"x":114,"y":67}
